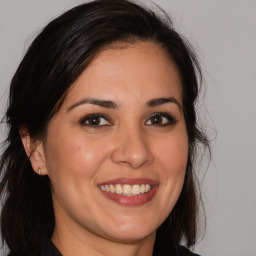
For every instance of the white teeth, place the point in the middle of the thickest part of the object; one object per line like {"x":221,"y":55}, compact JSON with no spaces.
{"x":142,"y":189}
{"x":135,"y":189}
{"x":112,"y":189}
{"x":147,"y":187}
{"x":119,"y":189}
{"x":127,"y":189}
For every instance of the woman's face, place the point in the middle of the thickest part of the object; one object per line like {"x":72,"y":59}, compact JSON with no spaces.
{"x":121,"y":128}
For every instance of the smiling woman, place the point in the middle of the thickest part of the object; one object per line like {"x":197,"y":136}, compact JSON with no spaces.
{"x":103,"y":134}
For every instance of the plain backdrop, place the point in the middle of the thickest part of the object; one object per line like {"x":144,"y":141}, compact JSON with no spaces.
{"x":224,"y":34}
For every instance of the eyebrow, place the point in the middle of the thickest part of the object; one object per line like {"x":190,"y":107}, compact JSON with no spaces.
{"x":97,"y":102}
{"x":112,"y":105}
{"x":161,"y":101}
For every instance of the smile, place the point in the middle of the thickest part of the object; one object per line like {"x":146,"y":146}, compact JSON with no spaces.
{"x":126,"y":189}
{"x":129,"y":191}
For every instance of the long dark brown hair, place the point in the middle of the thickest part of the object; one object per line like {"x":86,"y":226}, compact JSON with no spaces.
{"x":53,"y":62}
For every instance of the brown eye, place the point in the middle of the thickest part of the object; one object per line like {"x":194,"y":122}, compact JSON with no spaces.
{"x":156,"y":120}
{"x":161,"y":119}
{"x":95,"y":120}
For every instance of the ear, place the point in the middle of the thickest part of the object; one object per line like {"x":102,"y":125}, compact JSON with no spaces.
{"x":34,"y":149}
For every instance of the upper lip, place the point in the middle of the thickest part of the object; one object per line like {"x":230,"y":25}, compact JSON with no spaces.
{"x":130,"y":181}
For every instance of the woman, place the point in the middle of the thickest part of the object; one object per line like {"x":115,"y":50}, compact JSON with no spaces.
{"x":102,"y":137}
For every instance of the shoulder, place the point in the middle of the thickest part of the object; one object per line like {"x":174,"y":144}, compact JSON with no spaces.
{"x":183,"y":251}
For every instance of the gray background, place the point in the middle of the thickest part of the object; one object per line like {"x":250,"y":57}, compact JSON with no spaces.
{"x":224,"y":33}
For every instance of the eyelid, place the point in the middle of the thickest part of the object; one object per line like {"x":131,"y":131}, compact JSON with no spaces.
{"x":169,"y":117}
{"x":170,"y":120}
{"x":95,"y":115}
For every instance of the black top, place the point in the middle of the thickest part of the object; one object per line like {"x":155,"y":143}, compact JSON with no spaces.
{"x":49,"y":249}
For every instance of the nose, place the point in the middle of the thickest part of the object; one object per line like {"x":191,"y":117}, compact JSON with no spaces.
{"x":132,"y":148}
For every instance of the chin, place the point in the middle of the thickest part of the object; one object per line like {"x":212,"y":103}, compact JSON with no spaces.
{"x":133,"y":236}
{"x":132,"y":232}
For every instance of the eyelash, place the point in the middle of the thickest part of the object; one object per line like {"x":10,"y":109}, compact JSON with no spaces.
{"x":89,"y":119}
{"x":170,"y":119}
{"x":92,"y":117}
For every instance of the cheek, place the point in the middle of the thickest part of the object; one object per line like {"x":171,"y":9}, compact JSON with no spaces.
{"x":72,"y":168}
{"x":70,"y":156}
{"x":172,"y":157}
{"x":173,"y":153}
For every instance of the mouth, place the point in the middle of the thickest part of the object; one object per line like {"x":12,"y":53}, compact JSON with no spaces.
{"x":129,"y":192}
{"x":127,"y":189}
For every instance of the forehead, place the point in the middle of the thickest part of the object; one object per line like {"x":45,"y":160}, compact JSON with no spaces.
{"x":138,"y":70}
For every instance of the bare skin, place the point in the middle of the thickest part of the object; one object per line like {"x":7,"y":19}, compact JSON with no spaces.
{"x":122,"y":119}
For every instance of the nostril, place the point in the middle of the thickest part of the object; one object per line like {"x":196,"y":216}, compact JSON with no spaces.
{"x":132,"y":155}
{"x":132,"y":147}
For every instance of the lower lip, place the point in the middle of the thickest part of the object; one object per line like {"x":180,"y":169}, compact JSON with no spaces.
{"x":134,"y":200}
